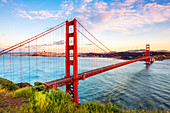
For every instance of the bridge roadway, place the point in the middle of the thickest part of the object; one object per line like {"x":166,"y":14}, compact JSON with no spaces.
{"x":87,"y":74}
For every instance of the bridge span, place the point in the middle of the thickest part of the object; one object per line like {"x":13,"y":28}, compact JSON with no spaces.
{"x":87,"y":74}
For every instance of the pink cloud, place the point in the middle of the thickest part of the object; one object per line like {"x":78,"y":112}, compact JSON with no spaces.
{"x":102,"y":16}
{"x":129,"y":2}
{"x":4,"y":1}
{"x":124,"y":17}
{"x":100,"y":6}
{"x":121,"y":30}
{"x":87,"y":1}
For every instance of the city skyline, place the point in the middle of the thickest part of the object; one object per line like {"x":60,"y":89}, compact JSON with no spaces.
{"x":120,"y":25}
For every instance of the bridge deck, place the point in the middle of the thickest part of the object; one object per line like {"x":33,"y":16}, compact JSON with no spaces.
{"x":87,"y":74}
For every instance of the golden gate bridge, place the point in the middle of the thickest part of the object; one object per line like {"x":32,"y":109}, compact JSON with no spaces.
{"x":72,"y":44}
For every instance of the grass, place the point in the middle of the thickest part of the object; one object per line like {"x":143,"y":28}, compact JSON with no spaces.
{"x":23,"y":92}
{"x":29,"y":91}
{"x":6,"y":84}
{"x":50,"y":102}
{"x":3,"y":90}
{"x":41,"y":99}
{"x":56,"y":101}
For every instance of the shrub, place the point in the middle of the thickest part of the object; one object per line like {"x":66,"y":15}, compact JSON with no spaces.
{"x":39,"y":88}
{"x":21,"y":85}
{"x":50,"y":102}
{"x":9,"y":94}
{"x":56,"y":101}
{"x":2,"y":91}
{"x":39,"y":83}
{"x":9,"y":85}
{"x":97,"y":107}
{"x":23,"y":92}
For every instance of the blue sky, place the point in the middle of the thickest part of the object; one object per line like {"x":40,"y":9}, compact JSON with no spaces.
{"x":119,"y":24}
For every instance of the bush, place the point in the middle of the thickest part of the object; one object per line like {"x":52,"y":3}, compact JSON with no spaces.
{"x":97,"y":107}
{"x":6,"y":84}
{"x":3,"y":91}
{"x":22,"y":85}
{"x":23,"y":92}
{"x":39,"y":88}
{"x":54,"y":101}
{"x":39,"y":83}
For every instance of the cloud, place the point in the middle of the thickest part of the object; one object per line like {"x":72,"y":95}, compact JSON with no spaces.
{"x":121,"y":30}
{"x":118,"y":16}
{"x":61,"y":42}
{"x":122,"y":15}
{"x":38,"y":14}
{"x":129,"y":2}
{"x":87,"y":1}
{"x":66,"y":10}
{"x":89,"y":44}
{"x":83,"y":9}
{"x":1,"y":5}
{"x":4,"y":1}
{"x":24,"y":14}
{"x":3,"y":34}
{"x":100,"y":5}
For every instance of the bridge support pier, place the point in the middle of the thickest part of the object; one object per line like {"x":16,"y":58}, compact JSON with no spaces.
{"x":72,"y":89}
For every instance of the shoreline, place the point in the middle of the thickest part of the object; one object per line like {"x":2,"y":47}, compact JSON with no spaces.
{"x":91,"y":55}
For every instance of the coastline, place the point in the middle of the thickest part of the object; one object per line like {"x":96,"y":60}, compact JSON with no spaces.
{"x":157,"y":57}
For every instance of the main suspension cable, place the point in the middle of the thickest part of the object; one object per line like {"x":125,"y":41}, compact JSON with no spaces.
{"x":93,"y":42}
{"x":98,"y":40}
{"x":32,"y":40}
{"x":32,"y":37}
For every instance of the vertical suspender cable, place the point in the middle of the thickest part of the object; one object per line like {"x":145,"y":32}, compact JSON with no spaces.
{"x":60,"y":54}
{"x":53,"y":55}
{"x":82,"y":51}
{"x":10,"y":68}
{"x":21,"y":80}
{"x":36,"y":62}
{"x":48,"y":59}
{"x":57,"y":54}
{"x":13,"y":65}
{"x":4,"y":65}
{"x":29,"y":59}
{"x":78,"y":50}
{"x":42,"y":60}
{"x":50,"y":55}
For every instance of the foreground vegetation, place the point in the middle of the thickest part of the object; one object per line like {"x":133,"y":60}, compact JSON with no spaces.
{"x":41,"y":99}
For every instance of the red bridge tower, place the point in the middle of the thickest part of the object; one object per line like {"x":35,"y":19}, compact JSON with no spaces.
{"x":147,"y":54}
{"x":72,"y":88}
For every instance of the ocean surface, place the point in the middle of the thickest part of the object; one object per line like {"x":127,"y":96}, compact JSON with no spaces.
{"x":135,"y":85}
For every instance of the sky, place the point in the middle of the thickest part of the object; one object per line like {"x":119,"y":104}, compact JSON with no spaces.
{"x":119,"y":24}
